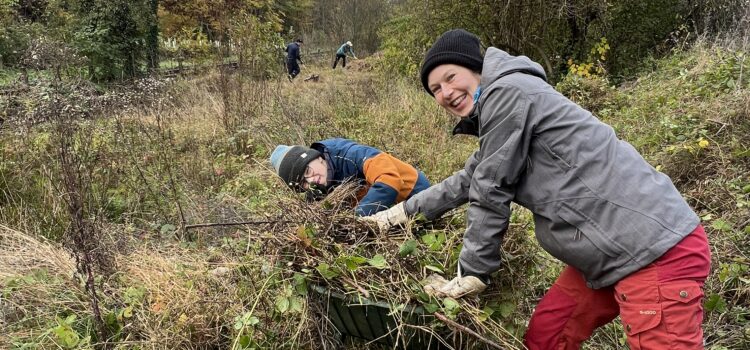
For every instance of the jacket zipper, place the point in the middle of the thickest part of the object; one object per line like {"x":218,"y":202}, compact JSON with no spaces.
{"x":553,"y":154}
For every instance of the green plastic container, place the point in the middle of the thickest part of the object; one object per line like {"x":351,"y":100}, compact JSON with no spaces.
{"x":375,"y":322}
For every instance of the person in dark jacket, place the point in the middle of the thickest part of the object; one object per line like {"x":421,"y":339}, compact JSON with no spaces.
{"x":326,"y":164}
{"x":292,"y":56}
{"x":632,"y":245}
{"x":344,"y":49}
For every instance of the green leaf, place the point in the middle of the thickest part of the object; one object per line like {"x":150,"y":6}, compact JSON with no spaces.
{"x":715,"y":302}
{"x":300,"y":284}
{"x":407,"y":248}
{"x":245,"y":341}
{"x":167,"y":228}
{"x":451,"y":307}
{"x":486,"y":313}
{"x":506,"y":309}
{"x":351,"y":262}
{"x":431,"y":307}
{"x":127,"y":312}
{"x":378,"y":261}
{"x":238,"y":324}
{"x":721,"y":225}
{"x":295,"y":304}
{"x":434,"y":268}
{"x":282,"y":304}
{"x":70,"y":319}
{"x":66,"y":336}
{"x":326,"y":271}
{"x":434,"y":241}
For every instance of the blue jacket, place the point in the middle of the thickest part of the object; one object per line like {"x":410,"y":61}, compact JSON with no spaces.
{"x":292,"y":52}
{"x":344,"y":49}
{"x":386,"y":179}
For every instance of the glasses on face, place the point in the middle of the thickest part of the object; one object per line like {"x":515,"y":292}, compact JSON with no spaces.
{"x":309,"y":172}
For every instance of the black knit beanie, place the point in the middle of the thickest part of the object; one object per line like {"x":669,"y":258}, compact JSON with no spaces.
{"x":455,"y":46}
{"x":290,"y":163}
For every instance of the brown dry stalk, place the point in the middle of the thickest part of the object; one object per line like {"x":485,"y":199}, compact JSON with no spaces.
{"x":465,"y":329}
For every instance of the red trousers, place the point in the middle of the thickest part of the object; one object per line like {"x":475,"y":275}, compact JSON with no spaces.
{"x":660,"y":305}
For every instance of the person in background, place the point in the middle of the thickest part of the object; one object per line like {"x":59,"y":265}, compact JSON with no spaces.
{"x":292,"y":56}
{"x":326,"y":164}
{"x":344,"y":49}
{"x":632,"y":245}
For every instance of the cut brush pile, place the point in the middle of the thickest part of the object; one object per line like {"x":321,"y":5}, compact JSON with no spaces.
{"x":330,"y":254}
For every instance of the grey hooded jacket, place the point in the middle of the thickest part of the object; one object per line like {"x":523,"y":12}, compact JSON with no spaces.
{"x":598,"y":205}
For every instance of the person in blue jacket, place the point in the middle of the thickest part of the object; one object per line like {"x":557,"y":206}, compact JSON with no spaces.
{"x":341,"y":54}
{"x":326,"y":164}
{"x":292,"y":56}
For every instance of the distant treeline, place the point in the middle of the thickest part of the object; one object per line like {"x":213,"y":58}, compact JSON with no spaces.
{"x":556,"y":31}
{"x":115,"y":39}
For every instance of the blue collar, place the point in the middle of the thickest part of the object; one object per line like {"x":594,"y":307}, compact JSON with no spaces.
{"x":477,"y":94}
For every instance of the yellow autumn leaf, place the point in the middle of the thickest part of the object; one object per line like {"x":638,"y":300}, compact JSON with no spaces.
{"x":702,"y":143}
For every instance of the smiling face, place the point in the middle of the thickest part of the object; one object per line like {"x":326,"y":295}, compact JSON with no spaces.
{"x":453,"y":87}
{"x":316,"y":173}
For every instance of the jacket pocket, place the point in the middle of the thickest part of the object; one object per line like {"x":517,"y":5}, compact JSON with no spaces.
{"x":558,"y":159}
{"x":639,"y":318}
{"x":682,"y":307}
{"x":590,"y":230}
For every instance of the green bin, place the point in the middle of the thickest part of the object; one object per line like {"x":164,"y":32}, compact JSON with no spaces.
{"x":374,"y":322}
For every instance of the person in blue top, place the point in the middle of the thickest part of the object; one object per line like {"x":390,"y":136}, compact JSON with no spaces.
{"x":326,"y":164}
{"x":341,"y":54}
{"x":292,"y":56}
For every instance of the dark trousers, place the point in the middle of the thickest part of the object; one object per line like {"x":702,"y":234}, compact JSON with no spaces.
{"x":340,"y":57}
{"x":292,"y":67}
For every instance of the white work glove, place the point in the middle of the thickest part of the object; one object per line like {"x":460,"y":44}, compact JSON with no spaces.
{"x":456,"y":288}
{"x":386,"y":219}
{"x":433,"y":283}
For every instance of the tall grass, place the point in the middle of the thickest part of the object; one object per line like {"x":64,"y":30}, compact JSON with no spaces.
{"x":200,"y":156}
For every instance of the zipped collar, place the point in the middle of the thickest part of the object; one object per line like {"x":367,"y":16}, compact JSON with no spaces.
{"x":470,"y":125}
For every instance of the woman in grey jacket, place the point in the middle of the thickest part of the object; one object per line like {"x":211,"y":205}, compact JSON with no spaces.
{"x":632,"y":244}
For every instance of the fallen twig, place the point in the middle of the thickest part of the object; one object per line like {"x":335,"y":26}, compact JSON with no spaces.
{"x":465,"y":329}
{"x":215,"y":224}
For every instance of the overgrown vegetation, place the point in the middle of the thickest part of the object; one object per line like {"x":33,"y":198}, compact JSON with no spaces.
{"x":120,"y":202}
{"x":197,"y":154}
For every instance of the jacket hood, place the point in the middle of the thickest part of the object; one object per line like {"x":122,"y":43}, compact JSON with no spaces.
{"x":498,"y":63}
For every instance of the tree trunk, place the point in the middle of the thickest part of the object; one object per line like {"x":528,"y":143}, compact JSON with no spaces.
{"x":152,"y":40}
